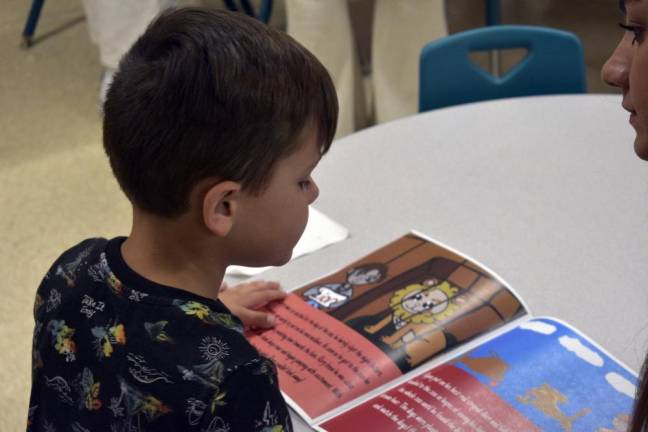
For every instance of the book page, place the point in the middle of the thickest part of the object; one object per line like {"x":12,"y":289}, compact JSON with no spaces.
{"x":542,"y":375}
{"x":345,"y":334}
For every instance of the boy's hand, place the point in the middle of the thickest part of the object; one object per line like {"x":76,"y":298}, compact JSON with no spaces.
{"x":245,"y":299}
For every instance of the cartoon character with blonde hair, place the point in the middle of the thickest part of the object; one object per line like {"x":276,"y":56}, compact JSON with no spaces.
{"x":415,"y":310}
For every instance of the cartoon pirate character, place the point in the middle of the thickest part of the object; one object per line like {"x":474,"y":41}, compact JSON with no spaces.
{"x":413,"y":312}
{"x":333,"y":295}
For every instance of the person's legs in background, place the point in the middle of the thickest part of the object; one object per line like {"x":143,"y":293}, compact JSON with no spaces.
{"x":324,"y":28}
{"x":401,"y":30}
{"x":114,"y":25}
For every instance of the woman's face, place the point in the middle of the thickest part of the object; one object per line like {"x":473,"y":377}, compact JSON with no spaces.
{"x":627,"y":69}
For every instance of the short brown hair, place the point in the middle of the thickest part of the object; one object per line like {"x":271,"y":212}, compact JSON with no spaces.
{"x":210,"y":93}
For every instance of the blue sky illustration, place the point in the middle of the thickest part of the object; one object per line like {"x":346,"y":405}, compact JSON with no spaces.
{"x":536,"y":358}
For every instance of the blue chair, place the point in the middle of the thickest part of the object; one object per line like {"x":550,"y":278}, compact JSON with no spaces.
{"x":554,"y":64}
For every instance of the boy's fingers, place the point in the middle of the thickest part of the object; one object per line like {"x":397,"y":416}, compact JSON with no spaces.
{"x":261,"y":298}
{"x":257,"y":319}
{"x":259,"y":285}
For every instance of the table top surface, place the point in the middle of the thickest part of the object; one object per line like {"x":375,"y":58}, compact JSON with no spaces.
{"x":545,"y":191}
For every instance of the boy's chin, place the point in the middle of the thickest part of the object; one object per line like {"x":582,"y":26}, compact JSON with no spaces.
{"x":281,"y":260}
{"x":275,"y":261}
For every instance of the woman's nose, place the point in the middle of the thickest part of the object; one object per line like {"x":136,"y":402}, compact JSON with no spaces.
{"x":616,"y":69}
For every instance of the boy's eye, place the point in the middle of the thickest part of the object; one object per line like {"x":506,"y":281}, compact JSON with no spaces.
{"x":636,"y":30}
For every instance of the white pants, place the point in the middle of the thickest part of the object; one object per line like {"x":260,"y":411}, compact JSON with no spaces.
{"x":401,"y":29}
{"x":114,"y":25}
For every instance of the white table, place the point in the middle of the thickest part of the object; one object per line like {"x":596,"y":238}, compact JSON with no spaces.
{"x":545,"y":191}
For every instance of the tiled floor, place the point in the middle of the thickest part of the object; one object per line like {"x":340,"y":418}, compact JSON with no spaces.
{"x":49,"y":123}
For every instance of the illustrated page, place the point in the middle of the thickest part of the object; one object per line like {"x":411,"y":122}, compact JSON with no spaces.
{"x":347,"y":333}
{"x":541,"y":375}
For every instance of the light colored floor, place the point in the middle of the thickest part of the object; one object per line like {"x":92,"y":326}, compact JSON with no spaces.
{"x":55,"y":186}
{"x":53,"y":176}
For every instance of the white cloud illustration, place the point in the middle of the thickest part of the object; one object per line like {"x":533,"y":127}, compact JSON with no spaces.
{"x":621,"y":384}
{"x":574,"y":345}
{"x":538,"y":327}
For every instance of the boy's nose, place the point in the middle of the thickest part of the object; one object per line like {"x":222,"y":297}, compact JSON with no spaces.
{"x":314,"y":192}
{"x":615,"y":71}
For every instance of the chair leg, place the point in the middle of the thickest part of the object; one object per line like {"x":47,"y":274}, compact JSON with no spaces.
{"x":32,"y":21}
{"x":494,"y":17}
{"x":265,"y":10}
{"x":493,"y":12}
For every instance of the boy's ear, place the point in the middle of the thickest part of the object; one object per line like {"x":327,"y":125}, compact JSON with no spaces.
{"x":219,"y":207}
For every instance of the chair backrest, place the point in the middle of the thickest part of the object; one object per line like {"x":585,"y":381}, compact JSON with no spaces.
{"x":554,"y":64}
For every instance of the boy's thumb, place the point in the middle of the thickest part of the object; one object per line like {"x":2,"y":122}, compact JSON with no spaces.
{"x":258,"y":319}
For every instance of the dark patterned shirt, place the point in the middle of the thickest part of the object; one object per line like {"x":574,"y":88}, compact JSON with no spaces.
{"x":116,"y":352}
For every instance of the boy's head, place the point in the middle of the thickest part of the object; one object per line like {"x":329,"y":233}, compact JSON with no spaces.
{"x":208,"y":94}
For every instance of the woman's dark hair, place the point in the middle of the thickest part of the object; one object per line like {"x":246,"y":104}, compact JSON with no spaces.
{"x":639,"y":421}
{"x":209,"y":93}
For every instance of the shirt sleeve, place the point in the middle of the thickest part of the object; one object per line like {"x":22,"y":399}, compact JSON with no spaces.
{"x":249,"y":400}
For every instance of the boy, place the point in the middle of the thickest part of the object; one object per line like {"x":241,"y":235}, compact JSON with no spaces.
{"x":213,"y":125}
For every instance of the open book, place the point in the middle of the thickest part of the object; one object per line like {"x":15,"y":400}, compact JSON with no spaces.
{"x":417,"y":337}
